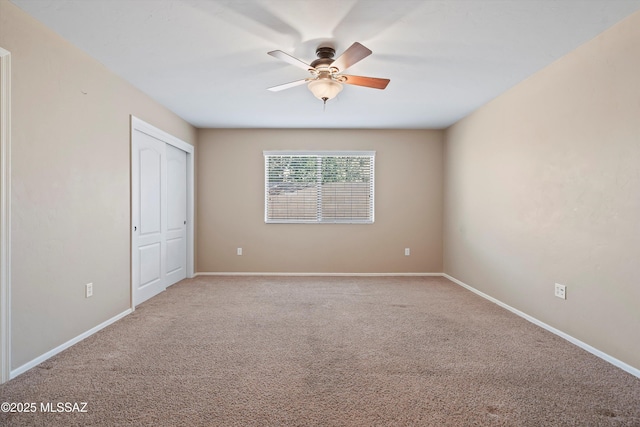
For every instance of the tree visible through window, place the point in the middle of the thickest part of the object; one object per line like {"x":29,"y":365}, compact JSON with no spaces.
{"x":319,"y":186}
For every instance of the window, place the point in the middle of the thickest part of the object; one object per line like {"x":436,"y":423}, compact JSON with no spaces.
{"x":319,"y":186}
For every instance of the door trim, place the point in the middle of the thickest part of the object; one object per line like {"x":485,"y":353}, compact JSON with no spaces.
{"x":144,"y":127}
{"x":5,"y":215}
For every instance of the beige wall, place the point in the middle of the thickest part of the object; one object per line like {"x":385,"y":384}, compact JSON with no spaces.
{"x":70,"y":184}
{"x":542,"y":186}
{"x":408,"y":208}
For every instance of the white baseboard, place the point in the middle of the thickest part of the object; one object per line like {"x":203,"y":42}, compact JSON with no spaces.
{"x":235,"y":273}
{"x":604,"y":356}
{"x":38,"y":360}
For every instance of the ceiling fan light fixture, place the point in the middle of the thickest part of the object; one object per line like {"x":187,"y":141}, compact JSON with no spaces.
{"x":326,"y":79}
{"x":325,"y":89}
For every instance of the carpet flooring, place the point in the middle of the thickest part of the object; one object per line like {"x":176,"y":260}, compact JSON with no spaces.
{"x":324,"y":351}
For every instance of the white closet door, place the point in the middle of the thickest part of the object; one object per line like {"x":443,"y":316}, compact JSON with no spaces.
{"x":148,"y":188}
{"x":176,"y":215}
{"x":159,"y":216}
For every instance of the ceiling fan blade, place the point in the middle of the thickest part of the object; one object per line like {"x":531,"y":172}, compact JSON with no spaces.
{"x":288,"y":85}
{"x":290,"y":59}
{"x":355,"y":53}
{"x":371,"y":82}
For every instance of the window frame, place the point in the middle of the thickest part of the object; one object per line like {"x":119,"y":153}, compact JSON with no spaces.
{"x":370,"y":155}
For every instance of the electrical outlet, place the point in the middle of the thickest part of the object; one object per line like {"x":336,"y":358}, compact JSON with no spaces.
{"x":239,"y":251}
{"x":561,"y":291}
{"x":88,"y":290}
{"x":407,"y":251}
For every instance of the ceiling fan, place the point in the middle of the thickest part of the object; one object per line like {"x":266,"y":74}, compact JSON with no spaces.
{"x":326,"y":73}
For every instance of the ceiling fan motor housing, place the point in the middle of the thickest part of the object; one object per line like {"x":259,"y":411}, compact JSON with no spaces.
{"x":325,"y":57}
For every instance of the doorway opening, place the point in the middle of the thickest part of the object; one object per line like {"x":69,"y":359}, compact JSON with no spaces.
{"x":5,"y":215}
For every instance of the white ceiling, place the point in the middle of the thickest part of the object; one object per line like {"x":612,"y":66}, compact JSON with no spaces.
{"x":207,"y":60}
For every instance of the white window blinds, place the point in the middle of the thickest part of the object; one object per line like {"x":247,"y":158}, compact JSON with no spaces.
{"x":319,"y":186}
